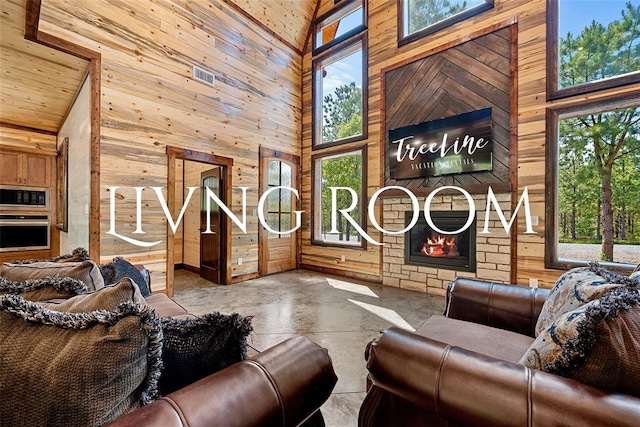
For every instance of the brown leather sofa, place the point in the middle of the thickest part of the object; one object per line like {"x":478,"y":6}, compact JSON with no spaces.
{"x":461,"y":368}
{"x":282,"y":386}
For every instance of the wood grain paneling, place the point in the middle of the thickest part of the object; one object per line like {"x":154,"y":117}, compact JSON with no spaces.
{"x":149,"y":101}
{"x":461,"y":79}
{"x":38,"y":84}
{"x":290,"y":20}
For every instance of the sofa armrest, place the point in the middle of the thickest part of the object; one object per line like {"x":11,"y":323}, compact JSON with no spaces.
{"x":512,"y":307}
{"x":466,"y":388}
{"x":282,"y":386}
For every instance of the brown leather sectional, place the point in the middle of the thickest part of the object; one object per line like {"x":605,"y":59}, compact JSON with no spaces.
{"x":460,"y":369}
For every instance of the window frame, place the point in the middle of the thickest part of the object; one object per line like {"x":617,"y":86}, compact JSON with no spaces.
{"x":553,"y":117}
{"x":553,"y":41}
{"x":279,"y":212}
{"x":433,"y":28}
{"x":339,"y":12}
{"x":363,"y":199}
{"x":335,"y":54}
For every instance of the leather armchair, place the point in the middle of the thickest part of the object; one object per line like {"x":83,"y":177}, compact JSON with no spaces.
{"x":440,"y":376}
{"x":282,"y":386}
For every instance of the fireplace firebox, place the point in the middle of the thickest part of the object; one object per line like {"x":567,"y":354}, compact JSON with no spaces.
{"x":426,"y":247}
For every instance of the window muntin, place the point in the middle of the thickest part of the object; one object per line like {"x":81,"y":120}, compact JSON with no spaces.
{"x":338,"y":170}
{"x":592,"y":48}
{"x":339,"y":96}
{"x":423,"y":17}
{"x":597,"y":159}
{"x":279,"y":202}
{"x":338,"y":25}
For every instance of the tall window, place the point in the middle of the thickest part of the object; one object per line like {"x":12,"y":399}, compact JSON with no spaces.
{"x":338,"y":25}
{"x":598,"y":185}
{"x":592,"y":46}
{"x":339,"y":97}
{"x":423,"y":17}
{"x":344,"y":169}
{"x":339,"y":76}
{"x":593,"y":146}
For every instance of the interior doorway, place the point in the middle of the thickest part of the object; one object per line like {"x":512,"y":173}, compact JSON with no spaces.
{"x":201,"y":242}
{"x":278,"y":252}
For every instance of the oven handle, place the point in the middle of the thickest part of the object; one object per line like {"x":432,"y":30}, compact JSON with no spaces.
{"x":24,"y":222}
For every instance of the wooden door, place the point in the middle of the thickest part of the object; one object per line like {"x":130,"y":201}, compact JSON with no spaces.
{"x":210,"y":242}
{"x":278,"y":252}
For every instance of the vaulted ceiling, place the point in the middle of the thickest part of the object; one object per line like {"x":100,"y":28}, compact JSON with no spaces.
{"x":38,"y":84}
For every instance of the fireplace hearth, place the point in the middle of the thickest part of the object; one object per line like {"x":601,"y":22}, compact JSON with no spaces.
{"x":426,"y":247}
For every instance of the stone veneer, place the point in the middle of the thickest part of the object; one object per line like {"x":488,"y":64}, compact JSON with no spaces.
{"x":493,"y":250}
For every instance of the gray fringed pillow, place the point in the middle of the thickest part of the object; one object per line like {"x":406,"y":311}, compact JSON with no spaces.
{"x":196,"y":347}
{"x":83,"y":361}
{"x":596,"y":343}
{"x":86,"y":271}
{"x":43,"y":289}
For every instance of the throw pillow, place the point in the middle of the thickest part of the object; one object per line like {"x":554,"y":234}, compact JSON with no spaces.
{"x":596,"y":343}
{"x":43,"y":289}
{"x":196,"y":347}
{"x":120,"y":268}
{"x":575,"y":288}
{"x":81,"y":362}
{"x":78,"y":254}
{"x":85,"y":271}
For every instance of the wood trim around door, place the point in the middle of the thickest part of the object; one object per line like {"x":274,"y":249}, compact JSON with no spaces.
{"x":295,"y":161}
{"x":176,"y":153}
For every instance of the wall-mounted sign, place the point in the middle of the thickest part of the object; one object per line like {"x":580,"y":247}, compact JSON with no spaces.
{"x":456,"y":144}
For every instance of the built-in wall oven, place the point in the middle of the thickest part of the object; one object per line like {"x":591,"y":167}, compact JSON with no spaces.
{"x":24,"y":232}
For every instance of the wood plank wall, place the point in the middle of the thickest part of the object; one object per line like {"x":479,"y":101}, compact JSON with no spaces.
{"x":20,"y":139}
{"x":149,"y":101}
{"x":464,"y":78}
{"x":384,"y":53}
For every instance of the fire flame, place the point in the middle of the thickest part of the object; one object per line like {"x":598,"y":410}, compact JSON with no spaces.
{"x":440,"y":246}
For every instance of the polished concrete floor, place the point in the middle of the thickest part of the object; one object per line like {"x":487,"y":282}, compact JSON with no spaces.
{"x":340,"y":314}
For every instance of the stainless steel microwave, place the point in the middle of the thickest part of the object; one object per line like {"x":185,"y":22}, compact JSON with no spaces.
{"x":24,"y":198}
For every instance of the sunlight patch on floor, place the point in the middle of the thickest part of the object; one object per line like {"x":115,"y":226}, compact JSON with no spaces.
{"x":351,"y":287}
{"x":385,"y":313}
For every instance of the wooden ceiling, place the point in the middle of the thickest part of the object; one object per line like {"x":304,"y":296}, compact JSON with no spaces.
{"x":38,"y":84}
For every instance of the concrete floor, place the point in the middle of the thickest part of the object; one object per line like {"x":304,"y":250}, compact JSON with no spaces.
{"x":340,"y":314}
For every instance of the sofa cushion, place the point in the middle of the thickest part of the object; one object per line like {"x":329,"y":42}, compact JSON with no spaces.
{"x":573,"y":289}
{"x":83,"y":361}
{"x":493,"y":342}
{"x":199,"y":346}
{"x":165,"y":306}
{"x":43,"y":289}
{"x":597,"y":343}
{"x":86,"y":271}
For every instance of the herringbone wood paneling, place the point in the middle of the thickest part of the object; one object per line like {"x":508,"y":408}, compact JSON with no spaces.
{"x":471,"y":76}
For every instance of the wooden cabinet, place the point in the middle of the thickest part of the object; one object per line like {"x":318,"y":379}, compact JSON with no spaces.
{"x":25,"y":169}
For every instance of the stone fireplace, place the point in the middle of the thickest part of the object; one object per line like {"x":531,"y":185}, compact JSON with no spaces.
{"x":423,"y":261}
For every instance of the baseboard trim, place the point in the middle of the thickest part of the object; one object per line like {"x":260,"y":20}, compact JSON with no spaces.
{"x":343,"y":273}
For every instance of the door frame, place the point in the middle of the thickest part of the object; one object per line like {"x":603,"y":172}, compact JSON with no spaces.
{"x":226,"y":164}
{"x":295,"y":165}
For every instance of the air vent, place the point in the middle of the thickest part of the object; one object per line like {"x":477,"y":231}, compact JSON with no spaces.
{"x":203,"y":76}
